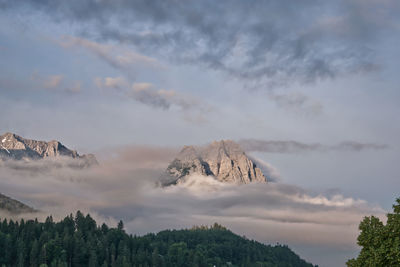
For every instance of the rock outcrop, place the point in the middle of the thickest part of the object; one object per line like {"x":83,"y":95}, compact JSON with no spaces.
{"x":15,"y":147}
{"x":224,"y":160}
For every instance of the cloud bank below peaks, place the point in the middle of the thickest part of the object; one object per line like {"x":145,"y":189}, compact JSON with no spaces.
{"x":124,"y":187}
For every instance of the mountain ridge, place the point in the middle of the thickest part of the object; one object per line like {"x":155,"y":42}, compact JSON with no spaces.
{"x":13,"y":146}
{"x":14,"y":206}
{"x":225,"y":160}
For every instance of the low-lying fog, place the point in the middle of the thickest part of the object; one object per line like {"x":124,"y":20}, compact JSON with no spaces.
{"x":124,"y":187}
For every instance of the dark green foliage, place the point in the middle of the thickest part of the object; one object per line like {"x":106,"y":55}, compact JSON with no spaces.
{"x":78,"y":241}
{"x":380,"y":243}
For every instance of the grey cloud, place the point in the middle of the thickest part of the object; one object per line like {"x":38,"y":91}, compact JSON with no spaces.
{"x":145,"y":93}
{"x":297,"y":102}
{"x":148,"y":94}
{"x":193,"y":109}
{"x":138,"y":156}
{"x":271,"y":173}
{"x":277,"y":146}
{"x":123,"y":187}
{"x":356,"y":146}
{"x":259,"y":41}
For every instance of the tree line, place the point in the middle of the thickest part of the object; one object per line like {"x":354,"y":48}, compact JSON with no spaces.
{"x":79,"y":241}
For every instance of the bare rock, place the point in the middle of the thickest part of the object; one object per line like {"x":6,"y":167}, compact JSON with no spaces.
{"x":16,"y":147}
{"x":224,"y":160}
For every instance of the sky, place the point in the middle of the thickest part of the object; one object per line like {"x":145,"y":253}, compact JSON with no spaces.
{"x":310,"y":88}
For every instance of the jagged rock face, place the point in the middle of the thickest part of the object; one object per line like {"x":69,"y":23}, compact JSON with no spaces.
{"x":13,"y":146}
{"x":224,"y":160}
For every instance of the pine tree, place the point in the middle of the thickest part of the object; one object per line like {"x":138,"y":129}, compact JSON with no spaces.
{"x":156,"y":258}
{"x":92,"y":259}
{"x":33,"y":255}
{"x":120,"y":226}
{"x":43,"y":255}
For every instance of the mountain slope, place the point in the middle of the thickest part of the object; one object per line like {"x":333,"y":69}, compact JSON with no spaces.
{"x":218,"y":246}
{"x":13,"y":206}
{"x":224,"y":160}
{"x":15,"y":147}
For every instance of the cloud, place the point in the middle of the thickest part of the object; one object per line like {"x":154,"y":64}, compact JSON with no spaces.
{"x":193,"y":109}
{"x":276,"y":42}
{"x":53,"y":81}
{"x":356,"y":146}
{"x":123,"y":187}
{"x":277,"y":146}
{"x":119,"y":83}
{"x":147,"y":93}
{"x":138,"y":156}
{"x":297,"y":102}
{"x":117,"y":56}
{"x":75,"y":88}
{"x":116,"y":83}
{"x":144,"y":93}
{"x":270,"y":172}
{"x":126,"y":176}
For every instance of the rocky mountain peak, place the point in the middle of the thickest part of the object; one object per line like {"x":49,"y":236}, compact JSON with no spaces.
{"x":187,"y":153}
{"x":224,"y":160}
{"x":16,"y":147}
{"x":9,"y":135}
{"x":223,"y":148}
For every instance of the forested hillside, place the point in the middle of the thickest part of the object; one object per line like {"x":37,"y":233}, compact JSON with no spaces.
{"x":78,"y":241}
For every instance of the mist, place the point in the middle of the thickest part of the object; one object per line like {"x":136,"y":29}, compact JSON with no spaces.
{"x":123,"y":186}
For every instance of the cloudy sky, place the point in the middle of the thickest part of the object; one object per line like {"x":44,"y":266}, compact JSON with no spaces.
{"x":309,"y":87}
